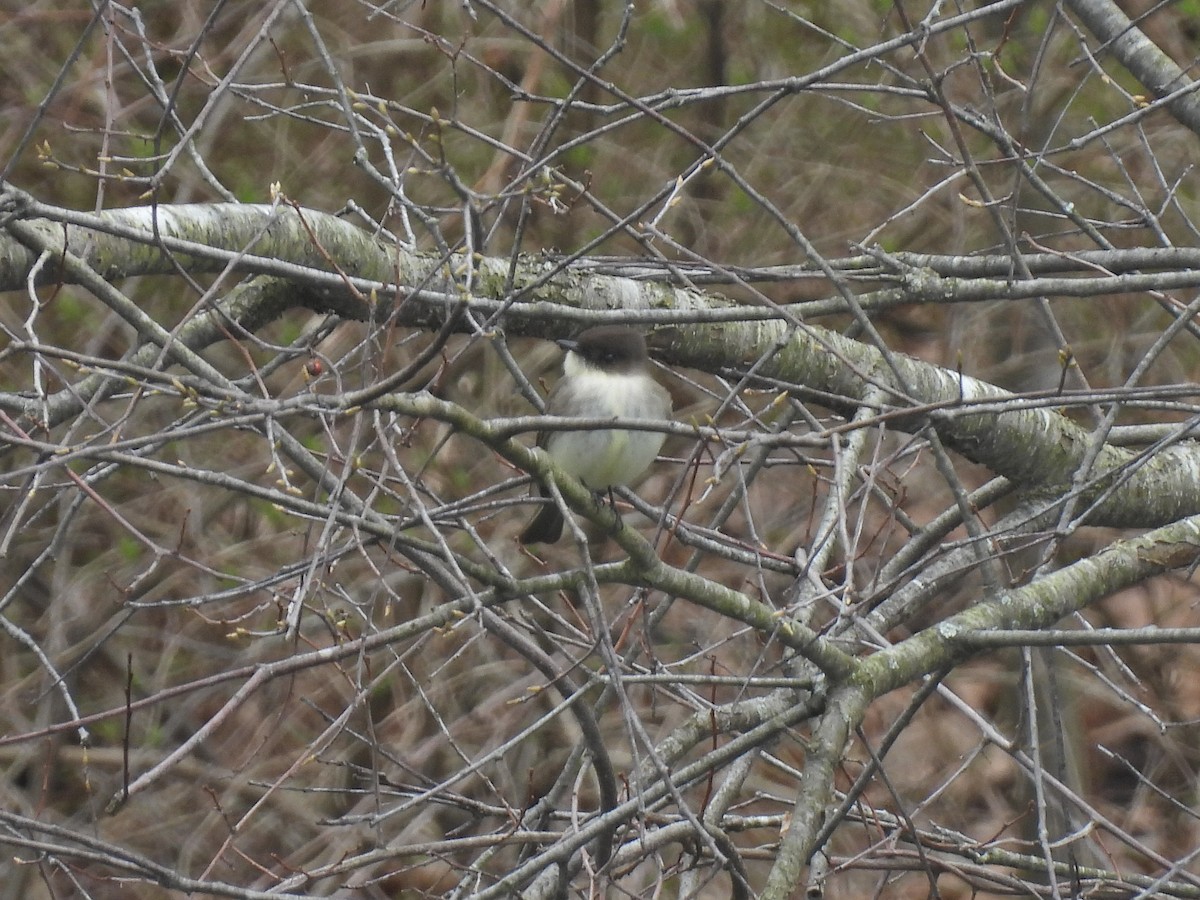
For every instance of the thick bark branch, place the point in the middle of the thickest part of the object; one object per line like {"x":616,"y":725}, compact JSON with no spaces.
{"x":1142,"y":57}
{"x":1034,"y":446}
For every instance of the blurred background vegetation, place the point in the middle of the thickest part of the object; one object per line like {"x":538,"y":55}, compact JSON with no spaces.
{"x":168,"y":582}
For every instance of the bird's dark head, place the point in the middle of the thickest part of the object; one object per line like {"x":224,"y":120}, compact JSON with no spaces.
{"x":609,"y":347}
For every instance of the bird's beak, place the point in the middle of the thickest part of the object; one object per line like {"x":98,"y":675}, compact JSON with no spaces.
{"x":567,"y":345}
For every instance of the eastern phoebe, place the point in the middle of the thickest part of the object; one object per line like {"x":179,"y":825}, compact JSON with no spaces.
{"x":605,"y":375}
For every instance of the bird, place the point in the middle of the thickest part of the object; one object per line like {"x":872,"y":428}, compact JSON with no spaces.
{"x":606,"y":374}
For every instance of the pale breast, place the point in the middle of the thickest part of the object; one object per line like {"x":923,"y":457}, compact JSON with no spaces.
{"x":608,"y":457}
